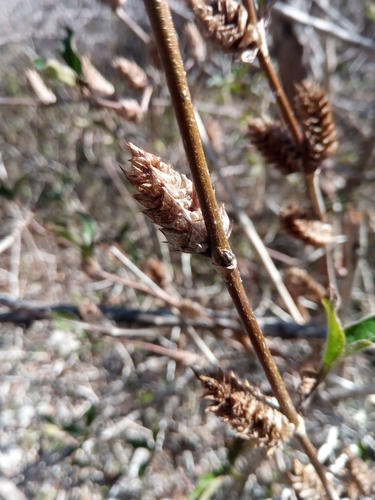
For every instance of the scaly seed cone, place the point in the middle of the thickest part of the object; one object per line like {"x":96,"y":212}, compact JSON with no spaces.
{"x":225,"y":22}
{"x":37,"y":85}
{"x":319,"y":129}
{"x":131,"y":72}
{"x":311,"y":232}
{"x":95,"y":80}
{"x":275,"y":145}
{"x":246,"y":410}
{"x":171,"y":202}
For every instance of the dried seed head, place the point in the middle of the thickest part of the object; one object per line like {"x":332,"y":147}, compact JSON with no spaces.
{"x":362,"y":476}
{"x":225,"y":22}
{"x":155,"y":270}
{"x":308,"y":381}
{"x":37,"y":85}
{"x":130,"y":110}
{"x":196,"y":44}
{"x":131,"y":72}
{"x":95,"y":80}
{"x":319,"y":129}
{"x":311,"y":232}
{"x":248,"y":411}
{"x":171,"y":202}
{"x":305,"y":482}
{"x":275,"y":144}
{"x":301,"y":284}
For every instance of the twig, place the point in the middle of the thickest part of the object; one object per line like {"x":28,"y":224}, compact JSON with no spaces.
{"x":137,"y":30}
{"x":222,"y":256}
{"x":366,"y":45}
{"x":8,"y":241}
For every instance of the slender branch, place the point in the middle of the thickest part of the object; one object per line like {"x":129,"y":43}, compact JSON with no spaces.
{"x":274,"y":81}
{"x":222,"y":256}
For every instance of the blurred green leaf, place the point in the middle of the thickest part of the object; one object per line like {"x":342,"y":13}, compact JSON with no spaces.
{"x":59,"y":71}
{"x":363,"y":329}
{"x":68,"y":234}
{"x":69,"y":52}
{"x":356,"y":347}
{"x":206,"y":486}
{"x":91,"y":414}
{"x":39,"y":63}
{"x":335,"y":335}
{"x":89,"y":229}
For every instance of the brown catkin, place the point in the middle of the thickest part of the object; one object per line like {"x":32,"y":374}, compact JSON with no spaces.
{"x":275,"y":144}
{"x":226,"y":23}
{"x":301,"y":284}
{"x":362,"y":476}
{"x":311,"y":232}
{"x":249,"y":412}
{"x":171,"y":202}
{"x":314,"y":112}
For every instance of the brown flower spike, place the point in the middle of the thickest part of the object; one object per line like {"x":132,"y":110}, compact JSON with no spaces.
{"x":315,"y":114}
{"x":275,"y":145}
{"x":171,"y":202}
{"x":248,"y":411}
{"x":311,"y":232}
{"x":226,"y":23}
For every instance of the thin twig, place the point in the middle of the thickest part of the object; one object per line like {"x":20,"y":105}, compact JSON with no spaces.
{"x":222,"y":256}
{"x":137,"y":30}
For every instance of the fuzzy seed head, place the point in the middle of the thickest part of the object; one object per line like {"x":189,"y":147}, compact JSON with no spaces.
{"x":171,"y":202}
{"x":315,"y":114}
{"x":275,"y":144}
{"x":311,"y":232}
{"x":226,"y":23}
{"x":95,"y":80}
{"x":37,"y":85}
{"x":246,"y":410}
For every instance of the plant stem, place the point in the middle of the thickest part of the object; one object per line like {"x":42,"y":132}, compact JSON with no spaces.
{"x":222,"y":256}
{"x":274,"y":82}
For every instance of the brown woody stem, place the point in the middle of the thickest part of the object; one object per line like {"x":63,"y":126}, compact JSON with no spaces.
{"x":222,"y":256}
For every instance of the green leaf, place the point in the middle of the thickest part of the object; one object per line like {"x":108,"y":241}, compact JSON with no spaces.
{"x":89,"y":229}
{"x":59,"y":71}
{"x":68,"y":235}
{"x":69,"y":53}
{"x":335,"y":335}
{"x":39,"y":63}
{"x":363,"y":329}
{"x":206,"y":486}
{"x":356,"y":347}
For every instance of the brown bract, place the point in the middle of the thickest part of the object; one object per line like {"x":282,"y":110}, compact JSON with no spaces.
{"x":246,"y":410}
{"x":226,"y":23}
{"x":171,"y":202}
{"x":130,"y":70}
{"x":275,"y":144}
{"x":311,"y":232}
{"x":315,"y":114}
